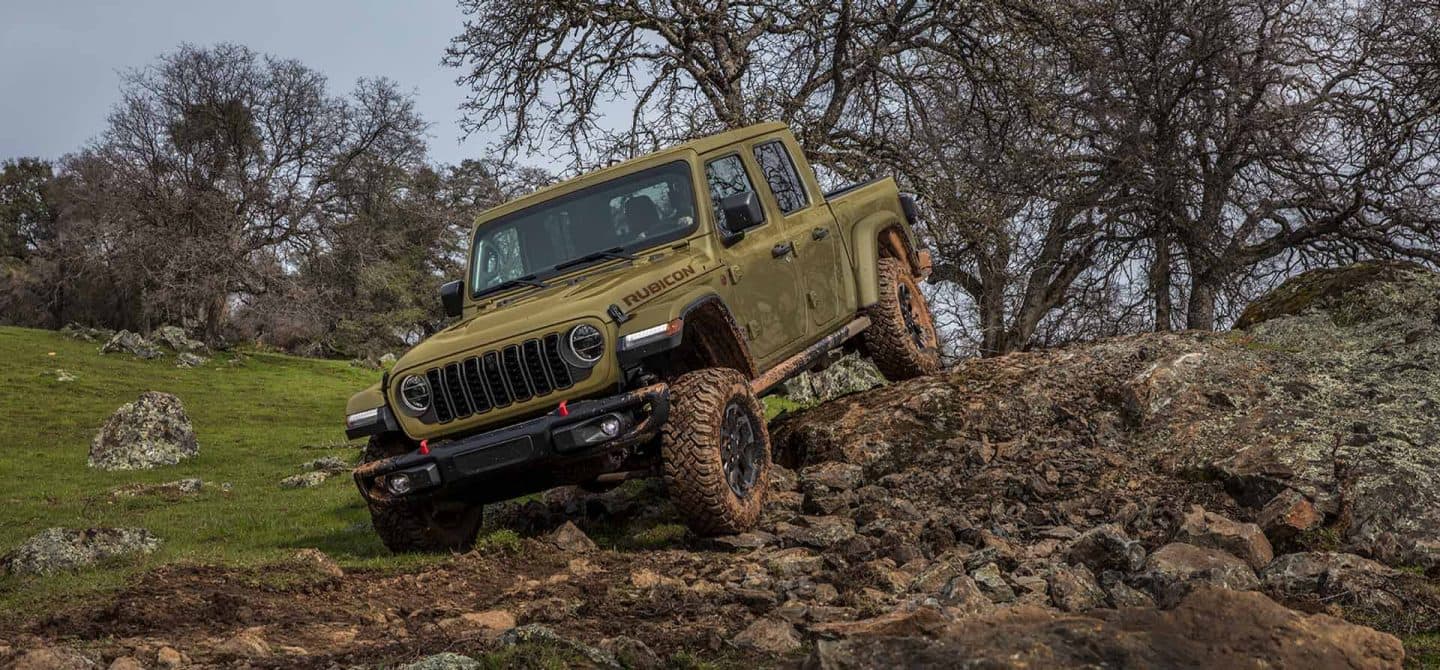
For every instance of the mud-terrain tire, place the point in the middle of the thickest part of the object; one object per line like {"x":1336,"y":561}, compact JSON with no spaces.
{"x":901,"y":339}
{"x":425,"y":526}
{"x":716,"y":451}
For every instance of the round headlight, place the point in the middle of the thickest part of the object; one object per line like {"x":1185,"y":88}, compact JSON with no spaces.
{"x":415,"y":394}
{"x":587,"y":344}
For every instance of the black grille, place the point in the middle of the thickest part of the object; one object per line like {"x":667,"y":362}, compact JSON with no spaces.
{"x":499,"y":378}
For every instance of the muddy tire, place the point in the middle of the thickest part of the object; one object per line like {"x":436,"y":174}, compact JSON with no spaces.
{"x":425,"y":526}
{"x":901,"y":339}
{"x":716,"y":451}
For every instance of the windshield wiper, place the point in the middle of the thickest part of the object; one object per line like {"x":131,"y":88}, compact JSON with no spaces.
{"x":527,"y":280}
{"x":603,"y":254}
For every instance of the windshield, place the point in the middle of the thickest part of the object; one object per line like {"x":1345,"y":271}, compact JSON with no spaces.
{"x":602,"y":221}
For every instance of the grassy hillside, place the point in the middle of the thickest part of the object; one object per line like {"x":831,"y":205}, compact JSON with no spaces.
{"x":256,"y":423}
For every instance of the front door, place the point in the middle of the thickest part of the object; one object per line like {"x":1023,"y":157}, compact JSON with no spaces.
{"x":766,"y":298}
{"x":813,"y":230}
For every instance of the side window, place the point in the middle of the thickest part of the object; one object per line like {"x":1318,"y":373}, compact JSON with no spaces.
{"x":780,"y":174}
{"x":727,"y":177}
{"x":498,"y":258}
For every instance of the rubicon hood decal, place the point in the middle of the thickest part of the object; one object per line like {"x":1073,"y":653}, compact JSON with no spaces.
{"x":659,"y":286}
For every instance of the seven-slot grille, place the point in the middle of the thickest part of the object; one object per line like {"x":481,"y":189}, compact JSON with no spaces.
{"x":511,"y":374}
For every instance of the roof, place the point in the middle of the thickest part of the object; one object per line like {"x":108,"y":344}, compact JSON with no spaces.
{"x":702,"y":145}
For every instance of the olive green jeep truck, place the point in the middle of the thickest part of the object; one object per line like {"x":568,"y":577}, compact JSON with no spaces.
{"x":625,"y":324}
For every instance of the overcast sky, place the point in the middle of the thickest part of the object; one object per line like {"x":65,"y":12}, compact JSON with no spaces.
{"x":59,"y":59}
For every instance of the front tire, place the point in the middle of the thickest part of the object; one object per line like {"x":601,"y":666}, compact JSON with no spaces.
{"x":425,"y":526}
{"x":716,"y":451}
{"x":901,"y":339}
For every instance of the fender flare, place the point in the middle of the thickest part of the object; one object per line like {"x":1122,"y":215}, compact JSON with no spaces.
{"x":711,"y":297}
{"x":866,"y":235}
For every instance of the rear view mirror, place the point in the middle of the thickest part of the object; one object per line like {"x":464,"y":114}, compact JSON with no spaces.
{"x":452,"y":297}
{"x":742,"y":212}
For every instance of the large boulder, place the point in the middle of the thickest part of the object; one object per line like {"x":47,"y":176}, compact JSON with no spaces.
{"x":131,"y":343}
{"x":152,"y":431}
{"x":850,"y":374}
{"x":1209,"y":629}
{"x":175,"y":339}
{"x":1176,"y":569}
{"x":59,"y":549}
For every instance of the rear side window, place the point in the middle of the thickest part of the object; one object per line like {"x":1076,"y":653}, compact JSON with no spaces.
{"x":726,"y":177}
{"x":780,"y":174}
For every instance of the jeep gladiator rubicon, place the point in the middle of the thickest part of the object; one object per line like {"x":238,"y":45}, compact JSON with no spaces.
{"x":625,"y":323}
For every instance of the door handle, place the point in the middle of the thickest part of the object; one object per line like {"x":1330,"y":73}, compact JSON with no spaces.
{"x":781,"y":250}
{"x":820,"y":233}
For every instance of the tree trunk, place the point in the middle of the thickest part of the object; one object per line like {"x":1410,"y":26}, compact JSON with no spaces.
{"x":1200,"y":313}
{"x":1160,"y":286}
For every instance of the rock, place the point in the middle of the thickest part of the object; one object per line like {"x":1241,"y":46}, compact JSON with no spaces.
{"x":833,"y":475}
{"x":1245,"y":540}
{"x":1324,"y":288}
{"x":305,"y":480}
{"x":444,"y":661}
{"x":46,"y":658}
{"x":632,"y":653}
{"x":245,"y":644}
{"x":992,"y":583}
{"x":488,"y":625}
{"x":126,"y":663}
{"x":153,"y":430}
{"x":60,"y":549}
{"x":1119,"y":594}
{"x":1318,"y":572}
{"x":319,"y":561}
{"x":770,"y":636}
{"x":387,"y":360}
{"x":189,"y":486}
{"x":1287,"y":515}
{"x":76,"y":331}
{"x":794,"y":562}
{"x":1106,"y":547}
{"x":543,"y":634}
{"x":331,"y":464}
{"x":569,"y":537}
{"x":905,"y":622}
{"x":63,"y":376}
{"x":963,"y":595}
{"x":169,"y":657}
{"x":132,"y":343}
{"x":850,"y":374}
{"x":175,"y":339}
{"x":820,"y":531}
{"x":1210,"y":628}
{"x":1074,"y":589}
{"x":1177,"y":568}
{"x":189,"y":360}
{"x":749,"y":540}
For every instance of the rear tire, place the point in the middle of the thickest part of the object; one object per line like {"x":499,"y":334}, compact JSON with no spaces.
{"x":716,"y":451}
{"x":901,"y":339}
{"x":425,"y":526}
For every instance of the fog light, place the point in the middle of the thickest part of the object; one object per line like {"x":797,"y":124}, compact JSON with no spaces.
{"x":610,"y":426}
{"x":399,"y":484}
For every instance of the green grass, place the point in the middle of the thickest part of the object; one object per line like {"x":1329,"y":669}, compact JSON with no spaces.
{"x":775,"y":405}
{"x":253,"y":421}
{"x":1422,"y":650}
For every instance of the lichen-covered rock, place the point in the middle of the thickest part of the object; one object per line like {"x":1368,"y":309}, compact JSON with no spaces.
{"x":152,"y":431}
{"x":769,"y":635}
{"x":1176,"y":569}
{"x":850,"y":374}
{"x":178,"y":488}
{"x":175,"y":339}
{"x":189,"y":360}
{"x":305,"y":480}
{"x":326,"y":463}
{"x":60,"y":549}
{"x":1107,"y":547}
{"x":132,"y":343}
{"x":447,"y":660}
{"x":76,"y":331}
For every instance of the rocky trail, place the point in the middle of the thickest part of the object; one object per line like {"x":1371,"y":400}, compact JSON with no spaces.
{"x":1260,"y":498}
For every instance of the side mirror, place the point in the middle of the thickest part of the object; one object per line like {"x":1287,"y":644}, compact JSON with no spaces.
{"x":742,"y":212}
{"x":452,"y":297}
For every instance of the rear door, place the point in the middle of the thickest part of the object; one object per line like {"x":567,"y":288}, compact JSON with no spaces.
{"x":811,"y":227}
{"x":766,"y":300}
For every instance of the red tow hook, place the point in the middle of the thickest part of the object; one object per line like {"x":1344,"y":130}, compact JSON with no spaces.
{"x":424,"y":447}
{"x":562,"y":409}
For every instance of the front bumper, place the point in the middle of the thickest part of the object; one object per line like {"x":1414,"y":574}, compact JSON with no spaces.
{"x":481,"y":466}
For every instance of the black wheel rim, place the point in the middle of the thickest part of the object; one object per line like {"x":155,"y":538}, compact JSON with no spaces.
{"x":913,"y":324}
{"x":742,"y":452}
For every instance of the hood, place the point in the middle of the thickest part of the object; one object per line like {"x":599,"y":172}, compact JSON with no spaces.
{"x":568,"y":298}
